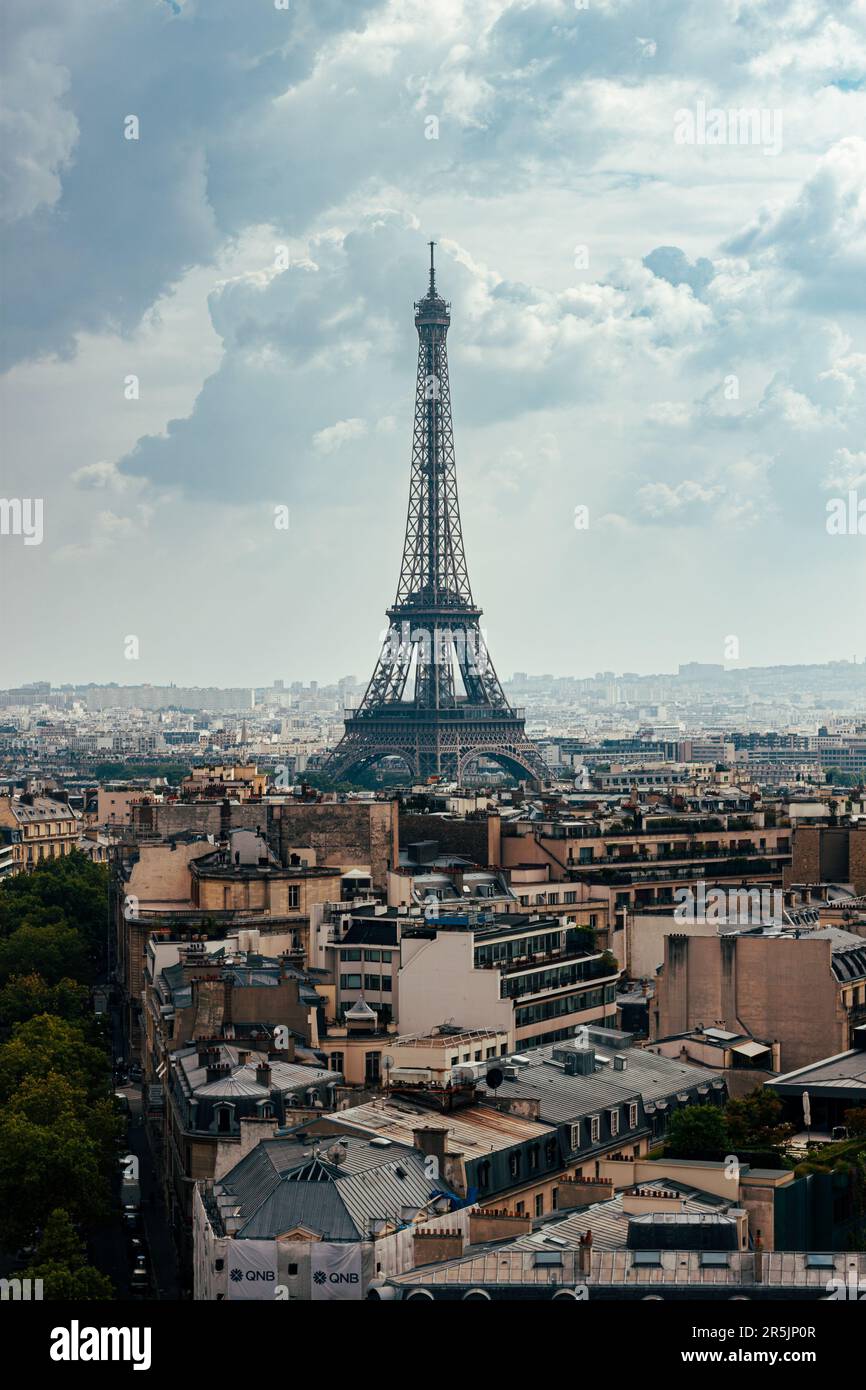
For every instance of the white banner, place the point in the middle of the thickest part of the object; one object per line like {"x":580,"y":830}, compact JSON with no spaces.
{"x":252,"y":1268}
{"x":335,"y":1270}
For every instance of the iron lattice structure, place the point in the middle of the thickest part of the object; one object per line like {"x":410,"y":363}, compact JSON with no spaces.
{"x":434,"y":698}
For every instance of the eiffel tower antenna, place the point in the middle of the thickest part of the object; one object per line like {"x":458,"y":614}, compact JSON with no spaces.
{"x":434,"y":698}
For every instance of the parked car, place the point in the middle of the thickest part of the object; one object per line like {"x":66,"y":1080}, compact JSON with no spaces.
{"x":132,"y":1222}
{"x":135,"y":1072}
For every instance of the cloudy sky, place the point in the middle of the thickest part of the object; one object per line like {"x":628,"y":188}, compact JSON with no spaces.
{"x":658,"y":316}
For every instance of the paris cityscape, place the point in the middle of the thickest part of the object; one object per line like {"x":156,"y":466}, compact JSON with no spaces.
{"x":433,"y":677}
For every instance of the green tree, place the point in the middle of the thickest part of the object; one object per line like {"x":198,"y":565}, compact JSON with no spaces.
{"x":62,"y":1266}
{"x":55,"y":952}
{"x":755,"y":1121}
{"x":855,"y":1120}
{"x":24,"y":996}
{"x":46,"y":1044}
{"x":72,"y":890}
{"x":43,"y":1167}
{"x":699,"y":1131}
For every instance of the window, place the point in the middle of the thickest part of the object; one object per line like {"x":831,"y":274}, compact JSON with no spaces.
{"x":550,"y":1153}
{"x":350,"y":982}
{"x":554,"y":1199}
{"x":351,"y":955}
{"x":520,"y":1209}
{"x":294,"y":895}
{"x":534,"y":1151}
{"x":514,"y":1164}
{"x":224,"y":1118}
{"x":484,"y":1173}
{"x":336,"y":1061}
{"x":815,"y":1261}
{"x":575,"y":1135}
{"x":632,"y":1115}
{"x":386,"y":984}
{"x":372,"y":1063}
{"x":372,"y":955}
{"x":372,"y":982}
{"x":594,"y":1128}
{"x":539,"y":1204}
{"x":647,"y":1258}
{"x":614,"y":1122}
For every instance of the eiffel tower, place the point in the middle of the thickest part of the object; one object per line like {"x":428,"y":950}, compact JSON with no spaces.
{"x":434,"y":698}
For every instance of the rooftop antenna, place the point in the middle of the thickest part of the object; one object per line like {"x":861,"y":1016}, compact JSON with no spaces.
{"x":431,"y":244}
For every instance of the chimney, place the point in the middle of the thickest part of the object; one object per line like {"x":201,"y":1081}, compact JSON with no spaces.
{"x":435,"y":1246}
{"x":585,"y":1254}
{"x":263,"y":1075}
{"x":432,"y":1140}
{"x":217,"y":1071}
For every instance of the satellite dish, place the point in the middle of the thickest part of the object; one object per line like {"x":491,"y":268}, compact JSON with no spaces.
{"x":495,"y":1077}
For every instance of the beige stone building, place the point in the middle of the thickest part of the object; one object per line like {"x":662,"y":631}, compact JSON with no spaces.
{"x":189,"y":885}
{"x":802,"y":989}
{"x":34,"y":828}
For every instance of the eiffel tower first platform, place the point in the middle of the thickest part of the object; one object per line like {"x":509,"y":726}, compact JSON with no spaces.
{"x":434,"y":698}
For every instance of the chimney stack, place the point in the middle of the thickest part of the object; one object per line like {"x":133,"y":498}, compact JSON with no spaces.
{"x":432,"y":1141}
{"x":263,"y":1075}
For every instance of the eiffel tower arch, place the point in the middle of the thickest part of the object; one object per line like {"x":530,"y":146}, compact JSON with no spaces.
{"x":434,"y":698}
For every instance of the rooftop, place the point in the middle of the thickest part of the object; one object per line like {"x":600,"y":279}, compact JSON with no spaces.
{"x":335,"y":1187}
{"x":472,"y":1131}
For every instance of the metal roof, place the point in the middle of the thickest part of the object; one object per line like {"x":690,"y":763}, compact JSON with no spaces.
{"x":609,"y":1222}
{"x":565,"y":1097}
{"x":287,"y":1182}
{"x":509,"y":1266}
{"x":474,"y":1130}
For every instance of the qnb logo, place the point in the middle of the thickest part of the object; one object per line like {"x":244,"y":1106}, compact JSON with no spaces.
{"x":252,"y":1276}
{"x":77,"y":1343}
{"x":320,"y":1277}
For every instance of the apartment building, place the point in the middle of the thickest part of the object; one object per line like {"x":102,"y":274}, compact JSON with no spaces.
{"x":34,"y":828}
{"x":802,"y":988}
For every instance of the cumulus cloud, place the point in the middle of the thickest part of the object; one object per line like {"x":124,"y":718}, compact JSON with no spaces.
{"x":333,"y":437}
{"x":254,"y":257}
